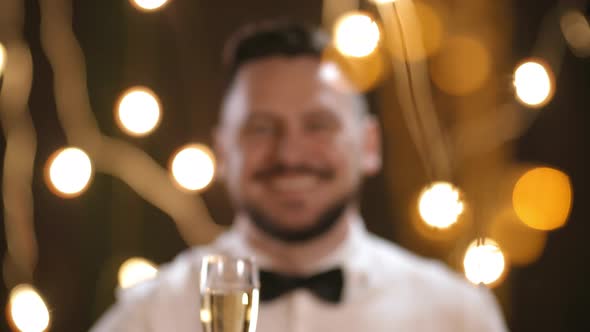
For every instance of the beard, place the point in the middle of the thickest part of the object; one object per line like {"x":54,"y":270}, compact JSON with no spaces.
{"x":321,"y":225}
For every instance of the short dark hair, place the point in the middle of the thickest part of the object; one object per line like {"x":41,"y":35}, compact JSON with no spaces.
{"x":272,"y":38}
{"x":277,"y":38}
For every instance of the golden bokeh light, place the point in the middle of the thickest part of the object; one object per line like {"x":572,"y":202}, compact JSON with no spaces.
{"x":69,"y":172}
{"x":440,"y":205}
{"x":136,"y":270}
{"x":484,"y":262}
{"x":27,"y":310}
{"x":149,"y":5}
{"x":576,"y":31}
{"x":138,"y":111}
{"x":193,"y":167}
{"x":2,"y":58}
{"x":533,"y":83}
{"x":462,"y":66}
{"x":348,"y":74}
{"x":431,"y":26}
{"x":205,"y":315}
{"x":356,"y":34}
{"x":522,"y":244}
{"x":542,"y":198}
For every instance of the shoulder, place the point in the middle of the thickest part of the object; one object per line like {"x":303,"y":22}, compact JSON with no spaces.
{"x":157,"y":302}
{"x":179,"y":275}
{"x":434,"y":285}
{"x":171,"y":280}
{"x":400,"y":266}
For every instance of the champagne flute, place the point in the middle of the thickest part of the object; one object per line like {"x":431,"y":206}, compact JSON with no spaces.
{"x":229,"y":294}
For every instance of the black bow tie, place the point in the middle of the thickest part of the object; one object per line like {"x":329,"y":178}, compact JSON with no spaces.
{"x":326,"y":285}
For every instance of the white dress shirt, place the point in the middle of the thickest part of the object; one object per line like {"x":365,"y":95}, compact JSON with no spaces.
{"x":385,"y":289}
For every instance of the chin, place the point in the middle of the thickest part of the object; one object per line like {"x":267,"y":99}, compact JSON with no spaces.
{"x":294,"y":223}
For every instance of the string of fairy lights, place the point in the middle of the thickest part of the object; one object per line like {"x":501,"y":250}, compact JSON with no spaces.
{"x":541,"y":196}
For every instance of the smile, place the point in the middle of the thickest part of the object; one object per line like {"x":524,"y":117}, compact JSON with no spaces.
{"x":292,"y":183}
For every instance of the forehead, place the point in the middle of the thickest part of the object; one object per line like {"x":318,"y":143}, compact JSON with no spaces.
{"x":284,"y":85}
{"x":281,"y":78}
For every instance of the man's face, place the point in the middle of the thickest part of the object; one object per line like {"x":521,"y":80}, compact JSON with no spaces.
{"x":291,"y":147}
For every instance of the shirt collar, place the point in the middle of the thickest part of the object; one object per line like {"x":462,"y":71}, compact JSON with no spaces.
{"x":351,"y":255}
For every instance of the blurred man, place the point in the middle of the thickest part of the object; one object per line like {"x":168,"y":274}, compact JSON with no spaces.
{"x":293,"y":151}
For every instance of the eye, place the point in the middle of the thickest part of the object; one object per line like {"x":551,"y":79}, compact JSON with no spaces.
{"x":321,"y":123}
{"x":260,"y":127}
{"x":317,"y":126}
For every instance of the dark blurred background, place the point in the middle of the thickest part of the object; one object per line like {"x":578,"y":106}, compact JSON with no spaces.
{"x":177,"y":53}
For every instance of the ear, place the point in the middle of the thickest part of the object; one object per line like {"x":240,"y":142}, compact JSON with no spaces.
{"x":371,"y":150}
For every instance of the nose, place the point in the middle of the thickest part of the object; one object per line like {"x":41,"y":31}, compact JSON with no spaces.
{"x":291,"y":148}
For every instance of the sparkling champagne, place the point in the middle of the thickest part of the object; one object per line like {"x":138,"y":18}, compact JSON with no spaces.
{"x":229,"y":310}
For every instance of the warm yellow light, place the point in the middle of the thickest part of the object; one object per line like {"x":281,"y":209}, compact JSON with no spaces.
{"x":576,"y":31}
{"x":356,"y":34}
{"x":431,"y":26}
{"x":136,"y":270}
{"x":542,"y":198}
{"x":149,"y":5}
{"x":2,"y":58}
{"x":462,"y":66}
{"x":423,"y":31}
{"x":533,"y":83}
{"x":205,"y":315}
{"x":193,"y":167}
{"x":28,"y":311}
{"x":382,"y":2}
{"x":484,"y":262}
{"x":349,"y":74}
{"x":69,"y":171}
{"x":138,"y":112}
{"x":440,"y":205}
{"x":521,"y":243}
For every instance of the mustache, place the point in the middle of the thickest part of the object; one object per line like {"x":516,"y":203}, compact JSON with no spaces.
{"x":281,"y":169}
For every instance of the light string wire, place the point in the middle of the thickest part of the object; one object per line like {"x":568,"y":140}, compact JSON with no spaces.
{"x":112,"y":156}
{"x":21,"y":145}
{"x":418,"y":112}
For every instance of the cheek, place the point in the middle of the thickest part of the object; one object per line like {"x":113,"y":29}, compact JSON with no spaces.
{"x":253,"y":158}
{"x":233,"y":171}
{"x":345,"y":153}
{"x":350,"y":168}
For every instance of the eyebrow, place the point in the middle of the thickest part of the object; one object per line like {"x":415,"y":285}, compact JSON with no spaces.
{"x":319,"y":111}
{"x":259,"y":114}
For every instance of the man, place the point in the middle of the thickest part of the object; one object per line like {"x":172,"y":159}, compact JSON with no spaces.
{"x":293,"y":151}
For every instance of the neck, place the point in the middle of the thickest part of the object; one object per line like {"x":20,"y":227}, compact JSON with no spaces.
{"x":297,"y":258}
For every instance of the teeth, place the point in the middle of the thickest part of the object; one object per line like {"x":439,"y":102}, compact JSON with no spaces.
{"x":294,"y":183}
